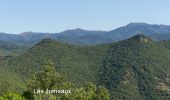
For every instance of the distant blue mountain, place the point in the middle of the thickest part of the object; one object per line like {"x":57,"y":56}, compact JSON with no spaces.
{"x":132,"y":29}
{"x":85,"y":37}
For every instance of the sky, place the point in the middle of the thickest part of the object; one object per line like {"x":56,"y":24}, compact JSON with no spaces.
{"x":17,"y":16}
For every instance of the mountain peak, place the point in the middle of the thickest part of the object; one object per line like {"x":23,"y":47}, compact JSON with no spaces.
{"x":141,"y":38}
{"x":137,"y":23}
{"x":147,"y":25}
{"x":78,"y":29}
{"x":30,"y":32}
{"x":47,"y":40}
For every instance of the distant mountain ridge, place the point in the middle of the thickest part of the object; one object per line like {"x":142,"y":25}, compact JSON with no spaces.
{"x":139,"y":28}
{"x":85,"y":37}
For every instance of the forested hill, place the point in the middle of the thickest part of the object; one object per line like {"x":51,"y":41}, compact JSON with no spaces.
{"x":136,"y":68}
{"x":77,"y":64}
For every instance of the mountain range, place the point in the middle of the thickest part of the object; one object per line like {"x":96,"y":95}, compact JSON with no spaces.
{"x":133,"y":69}
{"x":84,"y":37}
{"x":132,"y":62}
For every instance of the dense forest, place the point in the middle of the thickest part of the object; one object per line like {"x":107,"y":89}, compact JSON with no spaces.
{"x":133,"y":69}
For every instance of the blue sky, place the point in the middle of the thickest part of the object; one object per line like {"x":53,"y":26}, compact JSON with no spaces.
{"x":18,"y":16}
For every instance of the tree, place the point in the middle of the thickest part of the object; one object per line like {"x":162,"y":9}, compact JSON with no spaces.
{"x":49,"y":79}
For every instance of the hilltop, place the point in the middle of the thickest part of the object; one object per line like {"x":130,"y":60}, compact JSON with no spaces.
{"x":135,"y":68}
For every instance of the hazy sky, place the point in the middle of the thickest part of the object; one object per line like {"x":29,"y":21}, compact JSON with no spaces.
{"x":18,"y":16}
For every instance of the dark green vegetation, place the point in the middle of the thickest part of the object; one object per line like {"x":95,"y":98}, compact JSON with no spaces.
{"x":165,"y":43}
{"x":137,"y":68}
{"x":85,"y":37}
{"x":69,"y":60}
{"x":49,"y":80}
{"x":132,"y":69}
{"x":11,"y":49}
{"x":77,"y":64}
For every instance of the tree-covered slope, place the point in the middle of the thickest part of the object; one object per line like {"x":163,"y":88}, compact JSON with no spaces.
{"x":165,"y":43}
{"x":10,"y":81}
{"x":77,"y":63}
{"x":4,"y":53}
{"x":11,"y":49}
{"x":136,"y":68}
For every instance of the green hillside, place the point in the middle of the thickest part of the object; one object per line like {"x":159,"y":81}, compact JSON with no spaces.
{"x":78,"y":64}
{"x":11,"y":49}
{"x":10,"y":81}
{"x":133,"y":69}
{"x":165,"y":43}
{"x":4,"y":53}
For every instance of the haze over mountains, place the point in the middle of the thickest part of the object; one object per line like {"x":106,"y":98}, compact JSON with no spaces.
{"x":85,"y":37}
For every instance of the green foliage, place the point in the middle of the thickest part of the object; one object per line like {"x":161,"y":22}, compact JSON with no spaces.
{"x":91,"y":92}
{"x":49,"y":79}
{"x":133,"y":68}
{"x":10,"y":81}
{"x":12,"y":96}
{"x":11,"y":49}
{"x":46,"y":79}
{"x":165,"y":43}
{"x":78,"y":64}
